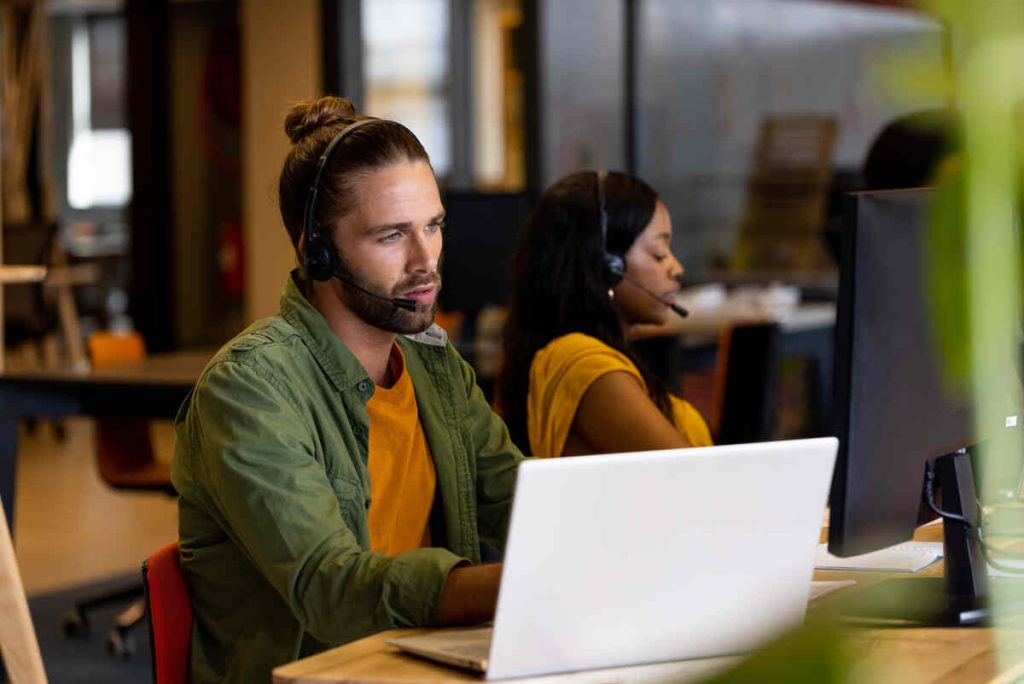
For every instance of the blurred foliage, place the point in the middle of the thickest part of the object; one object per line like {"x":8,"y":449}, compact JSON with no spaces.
{"x":814,"y":654}
{"x":974,"y":254}
{"x":974,"y":250}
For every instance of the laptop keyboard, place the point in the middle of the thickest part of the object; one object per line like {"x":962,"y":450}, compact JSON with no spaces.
{"x":478,"y":650}
{"x":470,"y":643}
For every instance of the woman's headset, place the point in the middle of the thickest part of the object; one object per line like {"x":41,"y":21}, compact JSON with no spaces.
{"x":614,"y":262}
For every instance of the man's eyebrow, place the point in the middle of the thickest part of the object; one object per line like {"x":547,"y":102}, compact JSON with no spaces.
{"x":403,"y":225}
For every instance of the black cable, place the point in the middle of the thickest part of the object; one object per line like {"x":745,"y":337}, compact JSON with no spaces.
{"x":929,"y":492}
{"x":973,"y":531}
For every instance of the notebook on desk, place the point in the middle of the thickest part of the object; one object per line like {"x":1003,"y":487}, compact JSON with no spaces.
{"x":636,"y":558}
{"x":911,"y":556}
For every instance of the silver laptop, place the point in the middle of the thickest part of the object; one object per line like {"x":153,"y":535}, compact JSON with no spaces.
{"x":651,"y":556}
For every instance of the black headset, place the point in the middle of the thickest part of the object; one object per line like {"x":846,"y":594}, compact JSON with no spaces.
{"x":320,"y":259}
{"x":614,"y":262}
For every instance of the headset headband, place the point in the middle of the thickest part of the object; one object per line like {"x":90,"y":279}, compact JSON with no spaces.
{"x":614,"y":263}
{"x":601,"y":209}
{"x":309,"y":218}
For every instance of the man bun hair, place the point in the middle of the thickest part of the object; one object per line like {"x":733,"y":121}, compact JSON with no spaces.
{"x":307,"y":116}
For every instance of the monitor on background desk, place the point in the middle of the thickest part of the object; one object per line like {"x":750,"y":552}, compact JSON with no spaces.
{"x":895,"y":412}
{"x":481,"y":233}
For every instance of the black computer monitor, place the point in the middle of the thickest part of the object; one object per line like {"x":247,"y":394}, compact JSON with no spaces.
{"x":480,"y":238}
{"x":896,"y":413}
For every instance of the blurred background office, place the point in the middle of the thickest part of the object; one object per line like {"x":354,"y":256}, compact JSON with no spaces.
{"x":142,"y":141}
{"x":156,"y":132}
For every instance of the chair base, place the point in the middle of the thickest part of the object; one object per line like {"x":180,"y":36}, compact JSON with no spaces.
{"x":120,"y":643}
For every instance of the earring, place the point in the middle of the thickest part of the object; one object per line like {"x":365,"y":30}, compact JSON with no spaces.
{"x":611,"y":293}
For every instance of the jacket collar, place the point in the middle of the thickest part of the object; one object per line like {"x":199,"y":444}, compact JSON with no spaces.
{"x":340,"y":365}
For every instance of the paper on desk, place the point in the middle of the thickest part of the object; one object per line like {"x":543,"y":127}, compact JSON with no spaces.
{"x":905,"y":557}
{"x":821,"y":587}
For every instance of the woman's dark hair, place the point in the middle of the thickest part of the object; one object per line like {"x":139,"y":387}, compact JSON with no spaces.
{"x":311,"y":125}
{"x":559,"y":285}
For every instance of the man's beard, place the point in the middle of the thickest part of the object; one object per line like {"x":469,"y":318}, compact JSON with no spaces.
{"x":383,"y":314}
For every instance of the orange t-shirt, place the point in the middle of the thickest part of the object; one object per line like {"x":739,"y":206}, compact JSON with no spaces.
{"x":402,"y":475}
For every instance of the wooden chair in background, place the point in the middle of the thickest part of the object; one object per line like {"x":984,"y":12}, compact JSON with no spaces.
{"x":782,"y":228}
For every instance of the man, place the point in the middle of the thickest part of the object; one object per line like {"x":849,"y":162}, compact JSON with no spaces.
{"x":340,"y":472}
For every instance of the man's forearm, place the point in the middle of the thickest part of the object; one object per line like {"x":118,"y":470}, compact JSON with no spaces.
{"x":470,"y":595}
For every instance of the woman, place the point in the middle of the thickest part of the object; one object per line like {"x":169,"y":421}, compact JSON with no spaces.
{"x":593,"y":260}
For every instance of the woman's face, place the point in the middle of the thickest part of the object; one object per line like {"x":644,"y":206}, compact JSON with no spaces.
{"x":650,"y":262}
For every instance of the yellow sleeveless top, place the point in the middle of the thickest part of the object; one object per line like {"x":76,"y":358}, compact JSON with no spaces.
{"x":560,"y":375}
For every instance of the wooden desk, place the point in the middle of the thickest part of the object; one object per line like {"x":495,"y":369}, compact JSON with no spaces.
{"x":151,"y":388}
{"x":925,"y":655}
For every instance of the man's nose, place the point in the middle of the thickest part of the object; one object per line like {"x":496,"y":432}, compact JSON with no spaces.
{"x":424,"y":251}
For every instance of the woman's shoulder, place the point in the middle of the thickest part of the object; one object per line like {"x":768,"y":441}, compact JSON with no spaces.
{"x":575,"y":343}
{"x":575,"y":348}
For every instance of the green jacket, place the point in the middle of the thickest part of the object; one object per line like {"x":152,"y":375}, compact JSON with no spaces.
{"x":270,"y":466}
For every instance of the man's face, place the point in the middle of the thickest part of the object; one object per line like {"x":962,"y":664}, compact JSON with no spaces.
{"x":390,"y":244}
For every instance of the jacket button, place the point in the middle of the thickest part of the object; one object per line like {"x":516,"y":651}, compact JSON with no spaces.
{"x":363,"y":386}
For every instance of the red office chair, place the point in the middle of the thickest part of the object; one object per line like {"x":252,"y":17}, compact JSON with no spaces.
{"x":169,"y":615}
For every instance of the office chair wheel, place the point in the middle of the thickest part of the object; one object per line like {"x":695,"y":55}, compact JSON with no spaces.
{"x":120,"y":646}
{"x":74,"y":624}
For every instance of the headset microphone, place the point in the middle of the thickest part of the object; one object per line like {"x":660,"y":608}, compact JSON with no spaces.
{"x":682,"y":311}
{"x":400,"y":302}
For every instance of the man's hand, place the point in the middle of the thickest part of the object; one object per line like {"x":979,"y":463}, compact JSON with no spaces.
{"x":470,"y":595}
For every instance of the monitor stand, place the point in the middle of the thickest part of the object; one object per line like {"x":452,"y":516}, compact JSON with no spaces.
{"x":958,"y":599}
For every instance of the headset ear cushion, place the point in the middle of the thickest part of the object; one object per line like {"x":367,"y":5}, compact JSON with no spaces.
{"x":321,"y":258}
{"x":614,"y":268}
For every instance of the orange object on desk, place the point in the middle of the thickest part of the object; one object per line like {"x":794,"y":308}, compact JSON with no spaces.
{"x":107,"y":348}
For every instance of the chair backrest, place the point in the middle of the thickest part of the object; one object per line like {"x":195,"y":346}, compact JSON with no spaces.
{"x":169,"y":614}
{"x":18,"y":641}
{"x":107,"y":349}
{"x":746,"y":383}
{"x":124,"y":449}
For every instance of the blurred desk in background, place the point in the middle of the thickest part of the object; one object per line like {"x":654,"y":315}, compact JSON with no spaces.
{"x":693,"y":345}
{"x":821,"y":282}
{"x":151,"y":388}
